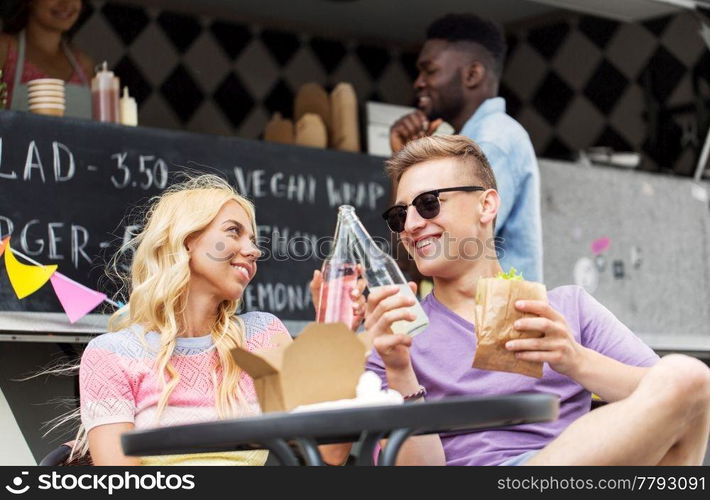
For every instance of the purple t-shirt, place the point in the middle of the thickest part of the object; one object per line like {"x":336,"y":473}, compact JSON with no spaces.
{"x":442,"y":356}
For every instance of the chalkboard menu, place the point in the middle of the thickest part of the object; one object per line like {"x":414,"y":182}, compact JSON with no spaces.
{"x":68,"y":187}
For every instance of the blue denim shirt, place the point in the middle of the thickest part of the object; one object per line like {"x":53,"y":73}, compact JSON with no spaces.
{"x":512,"y":157}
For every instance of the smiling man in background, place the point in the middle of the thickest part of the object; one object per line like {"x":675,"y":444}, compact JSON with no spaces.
{"x":460,"y":67}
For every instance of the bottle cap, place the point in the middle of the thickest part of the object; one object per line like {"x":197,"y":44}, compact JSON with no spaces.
{"x":103,"y":68}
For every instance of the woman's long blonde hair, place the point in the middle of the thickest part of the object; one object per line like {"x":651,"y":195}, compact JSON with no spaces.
{"x":160,"y":276}
{"x":157,"y":286}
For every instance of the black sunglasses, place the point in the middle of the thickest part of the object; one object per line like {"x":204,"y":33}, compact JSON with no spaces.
{"x":427,"y":205}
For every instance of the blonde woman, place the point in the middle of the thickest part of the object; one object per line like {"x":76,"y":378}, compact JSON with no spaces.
{"x":167,"y":358}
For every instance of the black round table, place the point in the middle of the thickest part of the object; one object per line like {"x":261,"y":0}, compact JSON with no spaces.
{"x":368,"y":424}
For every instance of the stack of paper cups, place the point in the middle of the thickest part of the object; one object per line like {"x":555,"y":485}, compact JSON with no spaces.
{"x":46,"y":96}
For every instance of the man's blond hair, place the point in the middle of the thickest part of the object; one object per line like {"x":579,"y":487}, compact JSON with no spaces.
{"x":458,"y":147}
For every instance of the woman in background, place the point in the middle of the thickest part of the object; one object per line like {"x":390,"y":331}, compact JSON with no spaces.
{"x":34,"y":44}
{"x":167,"y":359}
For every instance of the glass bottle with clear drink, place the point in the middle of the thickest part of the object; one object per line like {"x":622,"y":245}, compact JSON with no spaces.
{"x":380,"y":269}
{"x":339,"y":278}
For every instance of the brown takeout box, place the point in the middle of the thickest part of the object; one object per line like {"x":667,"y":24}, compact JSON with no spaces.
{"x":323,"y":363}
{"x":494,"y":318}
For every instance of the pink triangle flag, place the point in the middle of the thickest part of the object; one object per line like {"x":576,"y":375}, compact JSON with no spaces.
{"x":77,"y":300}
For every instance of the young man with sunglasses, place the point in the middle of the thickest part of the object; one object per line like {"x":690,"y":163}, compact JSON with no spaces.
{"x":658,"y":411}
{"x":460,"y":67}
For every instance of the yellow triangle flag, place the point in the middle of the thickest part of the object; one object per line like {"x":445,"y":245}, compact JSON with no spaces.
{"x":26,"y":279}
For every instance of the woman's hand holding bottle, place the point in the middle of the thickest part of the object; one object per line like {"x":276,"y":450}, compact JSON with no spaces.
{"x":356,"y":294}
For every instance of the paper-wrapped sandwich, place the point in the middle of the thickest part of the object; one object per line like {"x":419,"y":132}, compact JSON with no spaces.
{"x":494,"y":319}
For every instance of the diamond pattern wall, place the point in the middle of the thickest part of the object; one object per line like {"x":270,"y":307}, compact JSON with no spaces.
{"x":586,"y":82}
{"x":217,"y":76}
{"x":573,"y":82}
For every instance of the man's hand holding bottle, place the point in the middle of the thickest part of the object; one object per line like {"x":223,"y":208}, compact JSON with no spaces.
{"x":385,"y":306}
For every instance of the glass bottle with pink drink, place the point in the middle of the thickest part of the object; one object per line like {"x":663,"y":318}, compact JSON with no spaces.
{"x":339,"y":278}
{"x":380,"y":269}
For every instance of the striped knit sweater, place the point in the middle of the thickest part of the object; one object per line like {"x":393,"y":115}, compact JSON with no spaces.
{"x":118,"y":383}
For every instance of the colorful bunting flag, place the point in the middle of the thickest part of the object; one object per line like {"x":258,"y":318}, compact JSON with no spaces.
{"x":26,"y":279}
{"x":76,"y":299}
